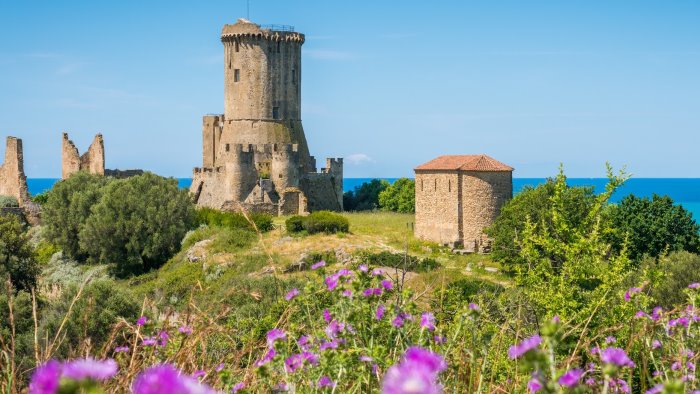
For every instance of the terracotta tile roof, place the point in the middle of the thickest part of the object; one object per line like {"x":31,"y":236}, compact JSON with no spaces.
{"x":465,"y":163}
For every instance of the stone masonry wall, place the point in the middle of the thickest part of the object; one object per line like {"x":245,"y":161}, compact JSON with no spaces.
{"x":92,"y":161}
{"x":483,"y":195}
{"x":437,"y":207}
{"x":13,"y":181}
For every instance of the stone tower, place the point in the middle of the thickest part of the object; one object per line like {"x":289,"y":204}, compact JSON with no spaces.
{"x":92,"y":161}
{"x":259,"y":136}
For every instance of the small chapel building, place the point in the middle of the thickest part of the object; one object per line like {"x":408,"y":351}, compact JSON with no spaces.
{"x":458,"y":196}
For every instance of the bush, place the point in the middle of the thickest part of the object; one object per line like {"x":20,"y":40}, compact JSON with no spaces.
{"x":399,"y":260}
{"x":231,"y":239}
{"x":399,"y":197}
{"x":534,"y":204}
{"x":364,"y":197}
{"x":214,"y":217}
{"x":138,"y":223}
{"x":100,"y":306}
{"x":41,"y":198}
{"x":17,"y":259}
{"x":44,"y":250}
{"x":677,"y":271}
{"x":652,"y":227}
{"x":68,"y":207}
{"x":8,"y":202}
{"x":319,"y":222}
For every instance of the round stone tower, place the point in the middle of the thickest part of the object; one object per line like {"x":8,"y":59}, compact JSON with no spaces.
{"x":262,"y":87}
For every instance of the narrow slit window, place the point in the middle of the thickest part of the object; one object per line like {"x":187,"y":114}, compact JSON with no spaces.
{"x":278,"y":47}
{"x":275,"y":112}
{"x":421,"y":185}
{"x":236,"y":45}
{"x":294,"y":76}
{"x":236,"y":75}
{"x":228,"y":148}
{"x":435,"y":185}
{"x":449,"y":185}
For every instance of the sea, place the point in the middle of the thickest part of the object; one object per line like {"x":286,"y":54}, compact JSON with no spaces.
{"x":684,"y":191}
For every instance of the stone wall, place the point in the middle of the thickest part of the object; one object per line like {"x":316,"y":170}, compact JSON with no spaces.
{"x":92,"y":161}
{"x":13,"y":181}
{"x":454,"y":207}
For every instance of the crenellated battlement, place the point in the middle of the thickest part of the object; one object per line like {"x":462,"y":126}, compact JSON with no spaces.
{"x":246,"y":29}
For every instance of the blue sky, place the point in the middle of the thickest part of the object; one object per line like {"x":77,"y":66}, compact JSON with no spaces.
{"x":387,"y":85}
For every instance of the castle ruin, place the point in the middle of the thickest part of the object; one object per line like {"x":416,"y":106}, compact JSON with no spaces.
{"x":92,"y":161}
{"x":13,"y":182}
{"x":255,"y":154}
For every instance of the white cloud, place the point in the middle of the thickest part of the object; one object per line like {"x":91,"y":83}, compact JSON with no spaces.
{"x":358,"y":158}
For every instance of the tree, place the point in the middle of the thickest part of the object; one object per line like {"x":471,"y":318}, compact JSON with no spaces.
{"x":365,"y":197}
{"x":652,"y":226}
{"x":17,"y":257}
{"x":138,"y":223}
{"x":534,"y":204}
{"x":676,"y":271}
{"x":400,"y":196}
{"x":68,"y":207}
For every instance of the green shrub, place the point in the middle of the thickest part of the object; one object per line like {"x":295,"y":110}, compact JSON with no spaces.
{"x":677,"y":271}
{"x":138,"y":223}
{"x":399,"y":197}
{"x":364,"y":197}
{"x":231,"y":239}
{"x":295,"y":224}
{"x":8,"y":202}
{"x":100,"y":306}
{"x":17,"y":258}
{"x":41,"y":198}
{"x":450,"y":300}
{"x":652,"y":227}
{"x":44,"y":250}
{"x":214,"y":217}
{"x":68,"y":207}
{"x":399,"y":260}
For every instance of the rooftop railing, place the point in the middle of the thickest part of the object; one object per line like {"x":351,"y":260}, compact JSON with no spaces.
{"x":278,"y":27}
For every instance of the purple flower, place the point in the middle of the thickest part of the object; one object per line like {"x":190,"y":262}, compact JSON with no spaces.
{"x":440,"y":339}
{"x":220,"y":367}
{"x":641,"y":314}
{"x":534,"y":385}
{"x":676,"y":366}
{"x":377,"y":272}
{"x":387,"y":284}
{"x":655,"y":344}
{"x":398,"y":321}
{"x":121,"y":349}
{"x":656,"y":313}
{"x":610,"y":339}
{"x":293,"y":362}
{"x":366,"y":359}
{"x":363,"y":268}
{"x":318,"y":265}
{"x":90,"y":369}
{"x":46,"y":378}
{"x":556,"y":319}
{"x":379,"y":314}
{"x":327,"y":316}
{"x":325,"y":381}
{"x":185,"y":330}
{"x":163,"y":338}
{"x":683,"y":321}
{"x":417,"y":372}
{"x":328,"y":345}
{"x":347,"y":293}
{"x":292,"y":293}
{"x":238,"y":387}
{"x":595,"y":350}
{"x":658,"y":389}
{"x":274,"y":335}
{"x":690,"y":365}
{"x":368,"y":292}
{"x":266,"y":358}
{"x":571,"y":377}
{"x":167,"y":379}
{"x":632,"y":290}
{"x":473,"y":306}
{"x":331,"y":282}
{"x":616,"y":356}
{"x":694,"y":285}
{"x":334,"y":328}
{"x":525,"y":346}
{"x":311,"y":358}
{"x":149,"y":341}
{"x":142,"y":321}
{"x":198,"y":373}
{"x":427,"y":321}
{"x":303,"y":342}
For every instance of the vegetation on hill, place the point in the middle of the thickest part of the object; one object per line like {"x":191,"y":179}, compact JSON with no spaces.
{"x":364,"y":197}
{"x":17,"y":257}
{"x":400,"y":196}
{"x":8,"y":202}
{"x":318,"y":222}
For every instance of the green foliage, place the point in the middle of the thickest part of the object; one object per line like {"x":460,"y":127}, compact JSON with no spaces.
{"x":214,"y":217}
{"x":399,"y":260}
{"x":677,"y":271}
{"x":44,"y":250}
{"x":652,"y":227}
{"x":41,"y":198}
{"x":231,"y":239}
{"x":137,"y":224}
{"x":17,"y":259}
{"x":450,"y":300}
{"x":68,"y":207}
{"x":568,"y":268}
{"x":399,"y":197}
{"x":8,"y":202}
{"x":21,"y":302}
{"x":319,"y":222}
{"x":99,"y":307}
{"x":364,"y":197}
{"x":535,"y":204}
